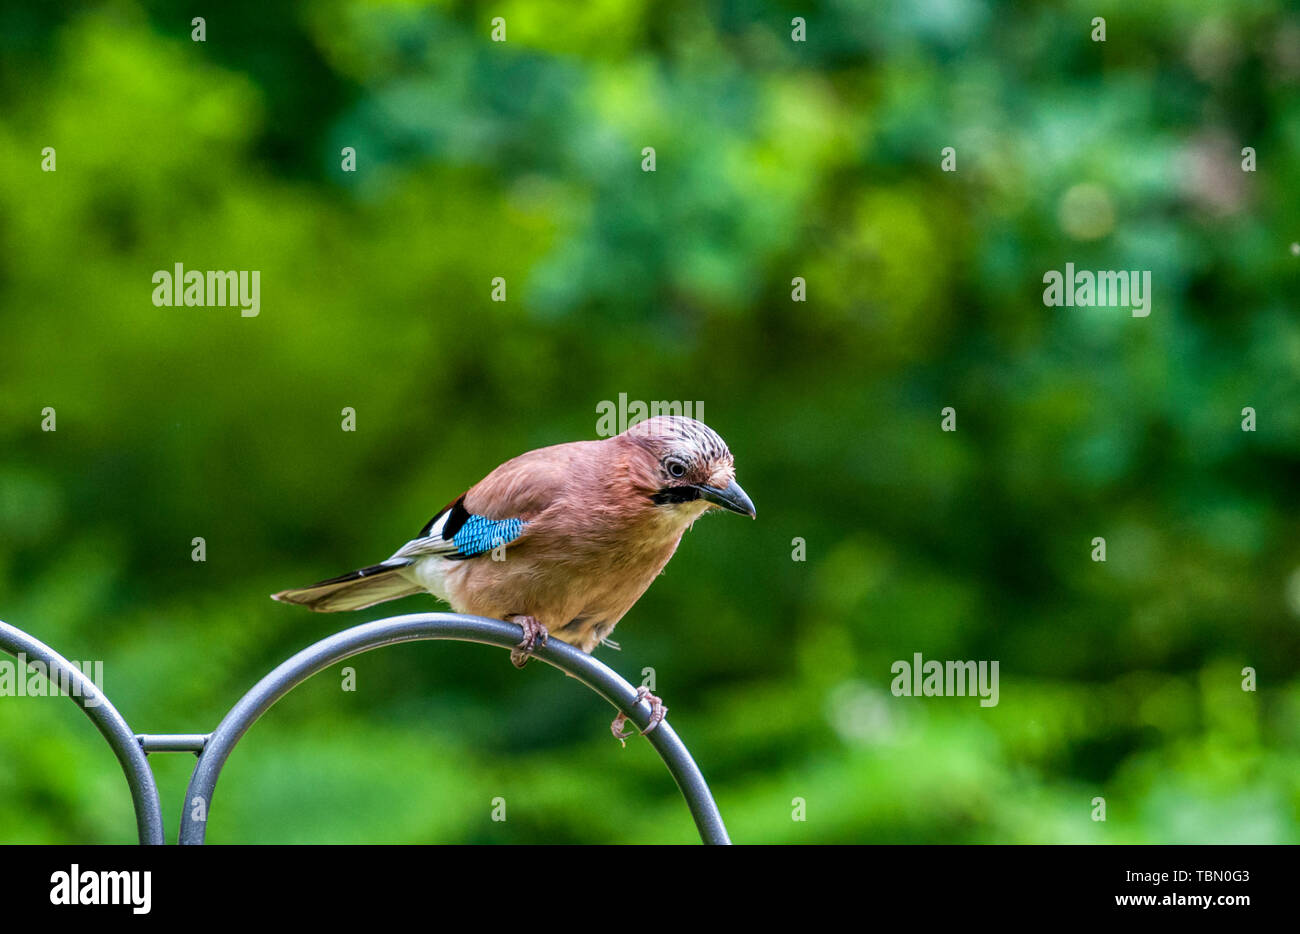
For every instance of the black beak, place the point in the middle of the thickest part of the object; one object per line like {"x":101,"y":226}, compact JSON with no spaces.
{"x":732,"y":498}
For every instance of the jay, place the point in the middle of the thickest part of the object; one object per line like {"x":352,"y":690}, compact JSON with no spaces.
{"x":562,"y":540}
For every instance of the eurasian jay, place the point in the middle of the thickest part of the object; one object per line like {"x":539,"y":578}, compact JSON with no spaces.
{"x":562,"y":540}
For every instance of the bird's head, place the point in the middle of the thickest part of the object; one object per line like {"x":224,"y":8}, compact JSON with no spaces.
{"x":686,"y":467}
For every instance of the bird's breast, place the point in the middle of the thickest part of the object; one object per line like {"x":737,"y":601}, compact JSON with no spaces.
{"x":579,"y":590}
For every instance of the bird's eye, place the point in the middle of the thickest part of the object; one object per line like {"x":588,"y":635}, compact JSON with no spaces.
{"x":675,"y":468}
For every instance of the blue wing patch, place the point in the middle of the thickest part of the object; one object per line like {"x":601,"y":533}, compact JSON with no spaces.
{"x":479,"y":534}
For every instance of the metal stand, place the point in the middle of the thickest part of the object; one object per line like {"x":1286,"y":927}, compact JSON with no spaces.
{"x":214,"y":748}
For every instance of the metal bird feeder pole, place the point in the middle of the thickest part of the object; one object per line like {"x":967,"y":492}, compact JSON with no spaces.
{"x":214,"y":749}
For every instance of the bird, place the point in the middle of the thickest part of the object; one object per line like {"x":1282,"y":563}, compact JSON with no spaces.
{"x":562,"y":540}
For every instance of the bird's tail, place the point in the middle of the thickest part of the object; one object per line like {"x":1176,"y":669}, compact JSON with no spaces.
{"x":354,"y":591}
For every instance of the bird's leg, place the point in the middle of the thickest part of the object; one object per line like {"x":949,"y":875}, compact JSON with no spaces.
{"x":533,"y":630}
{"x":657,"y":712}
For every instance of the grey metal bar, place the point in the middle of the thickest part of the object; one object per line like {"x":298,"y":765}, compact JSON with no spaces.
{"x":416,"y":626}
{"x":172,"y":742}
{"x":110,"y":723}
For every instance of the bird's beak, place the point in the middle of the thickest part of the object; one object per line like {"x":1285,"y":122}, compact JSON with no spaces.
{"x":732,"y":498}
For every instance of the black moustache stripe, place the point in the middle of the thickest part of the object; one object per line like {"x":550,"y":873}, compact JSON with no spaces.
{"x":675,"y":494}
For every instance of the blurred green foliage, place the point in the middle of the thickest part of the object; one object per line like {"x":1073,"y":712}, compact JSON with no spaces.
{"x":775,"y":159}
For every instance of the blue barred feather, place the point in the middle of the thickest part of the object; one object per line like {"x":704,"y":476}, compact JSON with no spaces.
{"x":480,"y":534}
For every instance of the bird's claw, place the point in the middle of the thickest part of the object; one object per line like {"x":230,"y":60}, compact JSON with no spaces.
{"x":533,"y":631}
{"x":657,"y":713}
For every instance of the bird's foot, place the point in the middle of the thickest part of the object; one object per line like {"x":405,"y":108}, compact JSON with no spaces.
{"x":657,"y":713}
{"x":533,"y":630}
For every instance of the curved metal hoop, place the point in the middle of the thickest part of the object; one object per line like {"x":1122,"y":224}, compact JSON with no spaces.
{"x":417,"y":626}
{"x":110,"y":723}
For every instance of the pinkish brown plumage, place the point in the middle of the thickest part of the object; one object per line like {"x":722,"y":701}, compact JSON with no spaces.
{"x":563,"y":540}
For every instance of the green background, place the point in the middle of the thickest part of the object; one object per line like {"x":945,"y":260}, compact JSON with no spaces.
{"x":775,"y":159}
